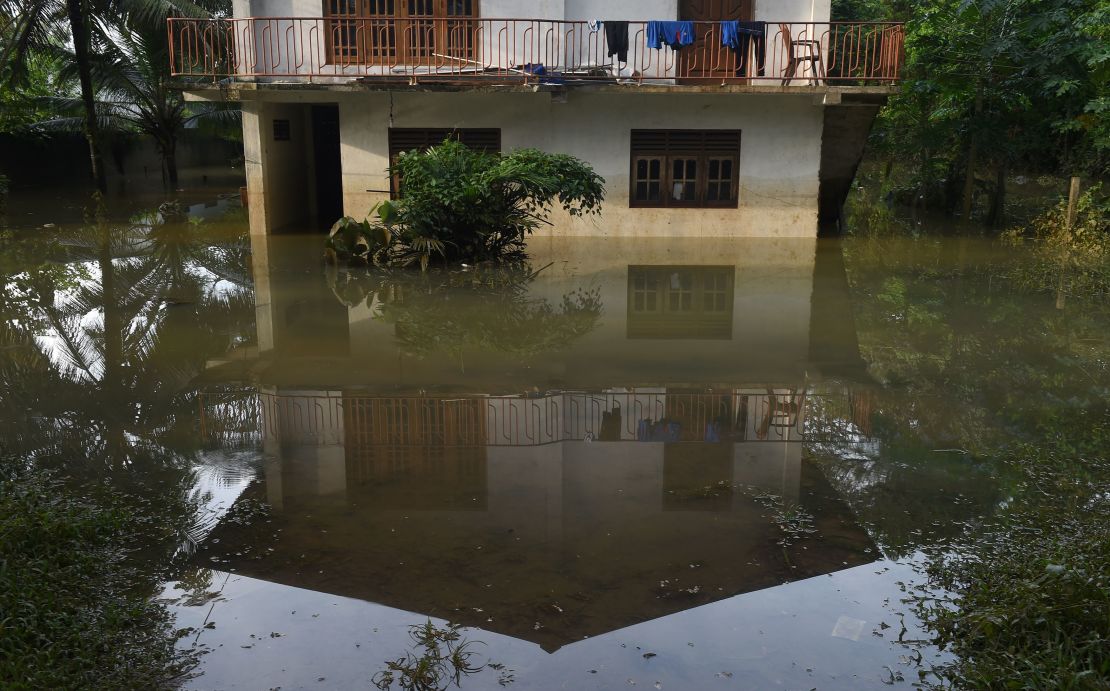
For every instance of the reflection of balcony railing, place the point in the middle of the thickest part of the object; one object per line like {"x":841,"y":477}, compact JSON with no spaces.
{"x":769,"y":415}
{"x":506,"y":51}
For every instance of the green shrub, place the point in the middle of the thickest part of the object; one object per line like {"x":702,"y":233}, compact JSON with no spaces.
{"x":73,"y":612}
{"x":1073,"y":260}
{"x":1025,"y":603}
{"x":458,"y":204}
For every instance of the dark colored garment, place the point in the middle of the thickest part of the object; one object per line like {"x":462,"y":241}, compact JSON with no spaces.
{"x":674,"y":34}
{"x":616,"y":37}
{"x":610,"y":425}
{"x":739,"y":36}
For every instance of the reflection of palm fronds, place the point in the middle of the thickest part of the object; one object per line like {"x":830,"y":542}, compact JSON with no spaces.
{"x":120,"y":387}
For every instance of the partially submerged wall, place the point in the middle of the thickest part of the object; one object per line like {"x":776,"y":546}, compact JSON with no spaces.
{"x":779,"y":159}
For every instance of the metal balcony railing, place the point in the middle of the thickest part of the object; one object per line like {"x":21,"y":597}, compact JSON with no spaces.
{"x":524,"y":51}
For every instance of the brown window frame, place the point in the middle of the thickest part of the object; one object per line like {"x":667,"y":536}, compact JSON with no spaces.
{"x":404,"y":139}
{"x":672,"y":146}
{"x":400,"y":32}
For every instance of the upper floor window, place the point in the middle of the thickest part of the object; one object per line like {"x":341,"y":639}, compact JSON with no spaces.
{"x":685,"y":168}
{"x":401,"y":32}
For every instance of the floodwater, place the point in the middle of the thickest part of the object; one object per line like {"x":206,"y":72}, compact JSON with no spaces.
{"x":689,"y":464}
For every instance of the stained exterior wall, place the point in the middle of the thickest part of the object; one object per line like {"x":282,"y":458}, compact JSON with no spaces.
{"x":779,"y":160}
{"x":779,"y":163}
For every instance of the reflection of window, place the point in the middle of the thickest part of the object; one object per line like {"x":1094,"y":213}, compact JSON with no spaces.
{"x":685,"y":168}
{"x":401,"y":32}
{"x":402,"y":140}
{"x":680,"y":302}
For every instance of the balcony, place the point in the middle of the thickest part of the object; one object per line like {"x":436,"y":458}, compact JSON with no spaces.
{"x":498,"y":52}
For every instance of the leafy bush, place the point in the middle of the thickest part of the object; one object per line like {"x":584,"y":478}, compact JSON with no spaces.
{"x":1025,"y":603}
{"x":465,"y":205}
{"x":73,"y":612}
{"x":1074,"y":260}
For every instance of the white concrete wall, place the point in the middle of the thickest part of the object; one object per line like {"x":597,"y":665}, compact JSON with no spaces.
{"x":621,"y":10}
{"x":572,"y":10}
{"x":779,"y":161}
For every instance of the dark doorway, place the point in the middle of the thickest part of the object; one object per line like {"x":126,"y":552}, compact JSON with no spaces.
{"x":329,"y":166}
{"x":707,"y":60}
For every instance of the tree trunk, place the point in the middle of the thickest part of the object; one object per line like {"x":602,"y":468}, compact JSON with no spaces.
{"x":169,"y":159}
{"x":80,"y":29}
{"x":972,"y":156}
{"x":113,"y":319}
{"x":998,"y":202}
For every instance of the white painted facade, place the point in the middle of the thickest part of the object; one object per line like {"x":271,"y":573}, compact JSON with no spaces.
{"x":781,"y":131}
{"x":566,"y":10}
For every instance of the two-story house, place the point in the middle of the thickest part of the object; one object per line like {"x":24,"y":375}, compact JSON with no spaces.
{"x":706,"y":117}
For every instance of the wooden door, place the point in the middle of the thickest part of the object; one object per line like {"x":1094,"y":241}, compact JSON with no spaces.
{"x":389,"y":33}
{"x":439,"y":32}
{"x":707,"y":61}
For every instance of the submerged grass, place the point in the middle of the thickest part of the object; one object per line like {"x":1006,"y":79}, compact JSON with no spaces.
{"x":74,"y":612}
{"x":1029,"y":603}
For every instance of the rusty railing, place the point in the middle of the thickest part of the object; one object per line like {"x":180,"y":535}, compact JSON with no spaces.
{"x":522,"y":51}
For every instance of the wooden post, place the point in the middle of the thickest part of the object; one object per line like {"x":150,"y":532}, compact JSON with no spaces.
{"x":1073,"y":204}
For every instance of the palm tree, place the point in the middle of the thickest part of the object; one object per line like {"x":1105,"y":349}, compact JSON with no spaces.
{"x":33,"y":26}
{"x":134,"y":92}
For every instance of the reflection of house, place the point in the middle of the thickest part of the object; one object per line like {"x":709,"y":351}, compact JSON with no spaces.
{"x":700,"y":314}
{"x":629,"y":474}
{"x":545,"y":542}
{"x":713,"y":128}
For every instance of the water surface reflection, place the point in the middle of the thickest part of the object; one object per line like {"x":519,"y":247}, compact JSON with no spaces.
{"x":673,"y":446}
{"x":551,"y":456}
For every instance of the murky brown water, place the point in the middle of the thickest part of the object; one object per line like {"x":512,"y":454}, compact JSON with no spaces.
{"x":669,"y":464}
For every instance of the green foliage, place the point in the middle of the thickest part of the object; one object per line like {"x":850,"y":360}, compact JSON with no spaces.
{"x":1026,"y":600}
{"x":441,"y":658}
{"x":24,"y":104}
{"x":1072,"y":260}
{"x":74,"y":613}
{"x":998,"y":85}
{"x":458,"y":204}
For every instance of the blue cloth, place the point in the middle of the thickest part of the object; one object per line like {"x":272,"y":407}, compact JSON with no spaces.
{"x":663,"y":431}
{"x":674,"y":34}
{"x":731,"y":32}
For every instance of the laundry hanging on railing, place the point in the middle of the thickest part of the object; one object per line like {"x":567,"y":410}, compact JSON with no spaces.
{"x":677,"y":35}
{"x":664,"y":430}
{"x":616,"y":37}
{"x":740,"y":36}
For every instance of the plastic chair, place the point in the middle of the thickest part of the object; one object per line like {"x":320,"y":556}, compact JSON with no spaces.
{"x":798,"y":52}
